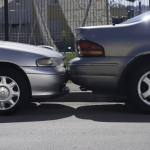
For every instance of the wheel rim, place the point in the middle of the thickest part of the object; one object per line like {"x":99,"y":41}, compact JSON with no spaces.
{"x":144,"y":88}
{"x":9,"y":93}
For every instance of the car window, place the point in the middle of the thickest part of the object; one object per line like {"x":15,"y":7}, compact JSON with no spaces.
{"x":137,"y":18}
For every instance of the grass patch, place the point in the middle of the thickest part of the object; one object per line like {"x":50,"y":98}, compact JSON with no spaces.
{"x":69,"y":56}
{"x":69,"y":81}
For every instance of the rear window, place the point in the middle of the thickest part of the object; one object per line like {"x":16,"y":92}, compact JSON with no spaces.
{"x":137,"y":18}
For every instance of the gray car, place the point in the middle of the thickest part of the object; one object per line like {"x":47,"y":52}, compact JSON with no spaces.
{"x":28,"y":72}
{"x":115,"y":59}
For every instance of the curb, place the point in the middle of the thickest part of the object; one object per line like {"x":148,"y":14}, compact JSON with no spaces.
{"x":89,"y":97}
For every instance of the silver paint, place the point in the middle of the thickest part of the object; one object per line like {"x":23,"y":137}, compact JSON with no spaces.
{"x":4,"y":93}
{"x":124,"y":40}
{"x":102,"y":73}
{"x":7,"y":93}
{"x":24,"y":54}
{"x":110,"y":66}
{"x":101,"y":83}
{"x":43,"y":85}
{"x":43,"y":80}
{"x":144,"y":96}
{"x":44,"y":70}
{"x":122,"y":43}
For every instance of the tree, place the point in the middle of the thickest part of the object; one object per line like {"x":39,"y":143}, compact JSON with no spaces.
{"x":85,"y":13}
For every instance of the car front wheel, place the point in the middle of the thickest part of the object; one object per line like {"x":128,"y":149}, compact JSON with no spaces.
{"x":13,"y":91}
{"x":139,"y":88}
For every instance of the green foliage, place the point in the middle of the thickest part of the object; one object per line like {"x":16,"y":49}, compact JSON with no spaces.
{"x":69,"y":81}
{"x":69,"y":55}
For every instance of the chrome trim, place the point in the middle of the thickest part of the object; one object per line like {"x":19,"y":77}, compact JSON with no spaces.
{"x":144,"y":96}
{"x":7,"y":93}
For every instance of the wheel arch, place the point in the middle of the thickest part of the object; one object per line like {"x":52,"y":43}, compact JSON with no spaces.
{"x":129,"y":69}
{"x":13,"y":66}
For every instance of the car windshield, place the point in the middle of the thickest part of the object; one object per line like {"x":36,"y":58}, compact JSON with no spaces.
{"x":137,"y":18}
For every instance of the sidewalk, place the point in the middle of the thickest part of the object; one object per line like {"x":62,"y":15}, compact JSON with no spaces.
{"x":76,"y":95}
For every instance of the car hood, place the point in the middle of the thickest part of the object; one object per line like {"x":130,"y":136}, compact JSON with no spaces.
{"x":26,"y":49}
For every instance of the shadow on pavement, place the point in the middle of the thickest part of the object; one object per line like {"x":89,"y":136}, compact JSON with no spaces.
{"x":39,"y":112}
{"x":104,"y":112}
{"x":124,"y":112}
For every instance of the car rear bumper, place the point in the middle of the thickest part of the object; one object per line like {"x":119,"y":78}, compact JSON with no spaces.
{"x":97,"y":73}
{"x":97,"y":83}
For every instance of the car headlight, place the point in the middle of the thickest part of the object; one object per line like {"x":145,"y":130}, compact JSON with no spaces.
{"x":50,"y":62}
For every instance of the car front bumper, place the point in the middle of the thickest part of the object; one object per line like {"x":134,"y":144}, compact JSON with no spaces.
{"x":47,"y":82}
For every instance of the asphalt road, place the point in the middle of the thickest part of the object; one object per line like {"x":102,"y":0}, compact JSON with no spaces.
{"x":76,"y":126}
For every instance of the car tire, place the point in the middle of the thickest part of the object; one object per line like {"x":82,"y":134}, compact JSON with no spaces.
{"x":139,"y":88}
{"x":13,"y":91}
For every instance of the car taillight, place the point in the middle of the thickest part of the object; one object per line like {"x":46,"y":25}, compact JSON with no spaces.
{"x":88,"y":48}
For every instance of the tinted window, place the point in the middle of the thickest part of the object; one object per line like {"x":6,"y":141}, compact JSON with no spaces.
{"x":137,"y":18}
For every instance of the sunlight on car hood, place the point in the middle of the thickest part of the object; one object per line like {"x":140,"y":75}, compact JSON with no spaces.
{"x":29,"y":49}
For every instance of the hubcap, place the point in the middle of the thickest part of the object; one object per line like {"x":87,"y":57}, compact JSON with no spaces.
{"x":4,"y":93}
{"x":9,"y":93}
{"x":144,"y":88}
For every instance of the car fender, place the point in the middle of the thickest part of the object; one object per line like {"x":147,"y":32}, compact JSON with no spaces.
{"x":129,"y":69}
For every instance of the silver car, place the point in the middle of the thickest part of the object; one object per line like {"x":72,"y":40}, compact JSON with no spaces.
{"x":115,"y":59}
{"x":48,"y":47}
{"x":27,"y":72}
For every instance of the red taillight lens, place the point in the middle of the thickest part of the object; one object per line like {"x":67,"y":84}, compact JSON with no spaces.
{"x":88,"y":48}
